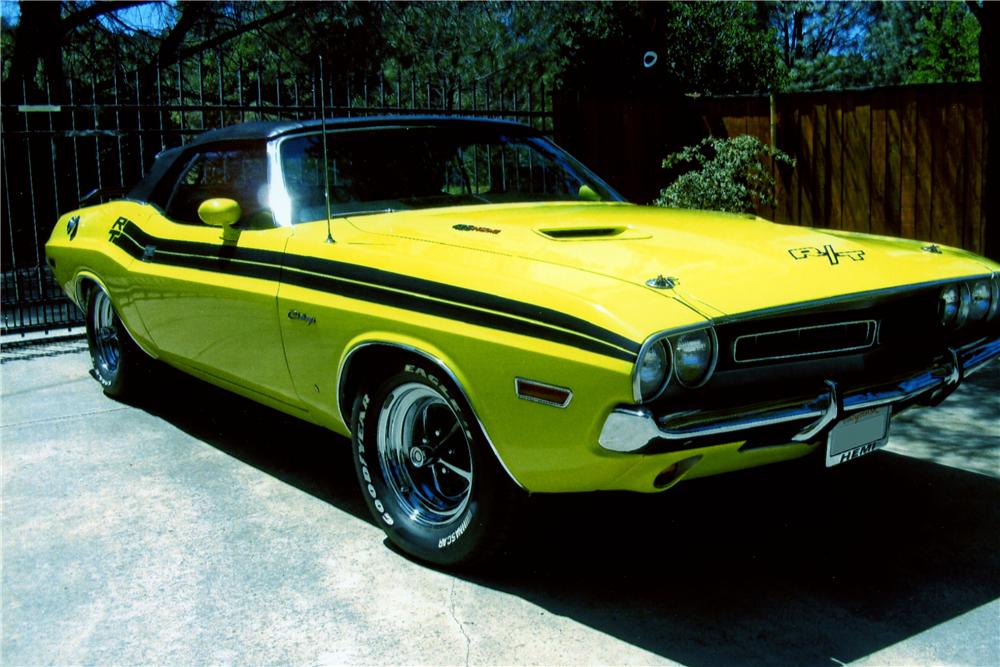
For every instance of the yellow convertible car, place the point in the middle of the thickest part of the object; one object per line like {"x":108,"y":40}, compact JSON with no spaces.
{"x":486,"y":318}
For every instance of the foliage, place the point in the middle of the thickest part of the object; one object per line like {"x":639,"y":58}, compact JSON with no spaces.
{"x":822,"y":43}
{"x":720,"y":47}
{"x":707,"y":47}
{"x":837,"y":45}
{"x":701,"y":47}
{"x":733,"y":175}
{"x":949,"y":41}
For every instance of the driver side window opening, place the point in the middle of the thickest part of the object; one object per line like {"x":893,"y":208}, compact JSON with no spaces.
{"x":231,"y":173}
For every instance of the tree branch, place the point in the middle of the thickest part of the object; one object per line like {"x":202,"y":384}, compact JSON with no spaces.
{"x":77,"y":19}
{"x":230,"y":34}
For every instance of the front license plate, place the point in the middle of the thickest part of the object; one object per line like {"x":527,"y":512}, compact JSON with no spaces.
{"x":857,"y":435}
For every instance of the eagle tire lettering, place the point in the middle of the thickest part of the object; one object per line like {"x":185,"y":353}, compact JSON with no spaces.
{"x":443,"y":388}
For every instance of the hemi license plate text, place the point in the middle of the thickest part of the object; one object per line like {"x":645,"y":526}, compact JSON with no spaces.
{"x":857,"y":435}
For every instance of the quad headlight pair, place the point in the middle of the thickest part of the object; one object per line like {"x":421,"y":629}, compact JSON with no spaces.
{"x":971,"y":301}
{"x":688,"y":356}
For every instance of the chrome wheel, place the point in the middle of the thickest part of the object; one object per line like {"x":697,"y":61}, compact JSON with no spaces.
{"x":107,"y":349}
{"x":424,"y":454}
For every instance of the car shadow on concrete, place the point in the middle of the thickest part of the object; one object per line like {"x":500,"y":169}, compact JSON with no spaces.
{"x":786,"y":565}
{"x":790,"y":564}
{"x":310,"y":458}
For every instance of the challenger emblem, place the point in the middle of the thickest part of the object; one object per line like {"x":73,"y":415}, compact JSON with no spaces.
{"x":473,"y":228}
{"x":932,"y":248}
{"x":72,"y":226}
{"x":829,"y":253}
{"x":302,"y":317}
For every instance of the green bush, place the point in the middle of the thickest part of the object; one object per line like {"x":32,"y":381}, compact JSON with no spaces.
{"x":732,"y":175}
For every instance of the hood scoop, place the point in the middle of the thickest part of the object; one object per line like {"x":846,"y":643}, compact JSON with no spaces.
{"x":589,"y":233}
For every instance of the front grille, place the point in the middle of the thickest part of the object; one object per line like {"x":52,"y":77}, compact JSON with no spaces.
{"x":805,"y":341}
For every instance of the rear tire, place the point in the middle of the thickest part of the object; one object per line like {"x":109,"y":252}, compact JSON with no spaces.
{"x":427,"y":473}
{"x":119,"y":364}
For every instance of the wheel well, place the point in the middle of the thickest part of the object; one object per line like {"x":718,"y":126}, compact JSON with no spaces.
{"x":369,"y":365}
{"x":375,"y":362}
{"x":83,"y":289}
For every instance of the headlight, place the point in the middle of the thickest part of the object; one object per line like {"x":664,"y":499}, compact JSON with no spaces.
{"x":948,"y":304}
{"x":981,"y":299}
{"x":964,"y":305}
{"x":652,"y":371}
{"x":994,"y":297}
{"x":694,"y":357}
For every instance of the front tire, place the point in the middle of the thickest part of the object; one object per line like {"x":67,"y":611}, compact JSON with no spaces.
{"x":119,"y":364}
{"x":426,"y":471}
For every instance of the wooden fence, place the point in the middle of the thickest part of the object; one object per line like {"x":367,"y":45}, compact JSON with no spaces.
{"x":905,"y":161}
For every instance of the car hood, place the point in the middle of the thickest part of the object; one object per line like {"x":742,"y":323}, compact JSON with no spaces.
{"x":719,"y":262}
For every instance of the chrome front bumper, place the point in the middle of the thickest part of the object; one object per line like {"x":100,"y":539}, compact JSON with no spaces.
{"x":635,"y":428}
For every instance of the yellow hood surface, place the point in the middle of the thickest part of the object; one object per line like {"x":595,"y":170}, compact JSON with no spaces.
{"x":721,"y":262}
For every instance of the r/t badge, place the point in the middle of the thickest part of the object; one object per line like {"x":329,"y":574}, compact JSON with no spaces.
{"x":833,"y":255}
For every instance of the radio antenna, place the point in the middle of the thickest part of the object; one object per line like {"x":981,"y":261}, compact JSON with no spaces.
{"x":326,"y":164}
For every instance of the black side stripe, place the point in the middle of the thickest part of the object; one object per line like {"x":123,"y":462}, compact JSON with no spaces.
{"x":389,"y":289}
{"x":394,"y":280}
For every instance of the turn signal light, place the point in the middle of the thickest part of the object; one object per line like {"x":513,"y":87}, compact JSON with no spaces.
{"x":539,"y":392}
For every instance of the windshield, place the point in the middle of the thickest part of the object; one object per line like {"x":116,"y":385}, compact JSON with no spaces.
{"x":392,"y":169}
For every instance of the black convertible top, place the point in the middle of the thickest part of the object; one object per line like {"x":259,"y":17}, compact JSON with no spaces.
{"x":263,"y":131}
{"x":266,"y":130}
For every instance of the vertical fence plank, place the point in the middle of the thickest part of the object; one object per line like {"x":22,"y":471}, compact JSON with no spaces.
{"x":956,"y":165}
{"x":857,"y":165}
{"x":947,"y":193}
{"x":790,"y":135}
{"x":908,"y":165}
{"x":804,"y":173}
{"x":821,"y":163}
{"x":836,"y":129}
{"x":877,"y":218}
{"x":925,"y":164}
{"x":893,"y":156}
{"x":972,"y":228}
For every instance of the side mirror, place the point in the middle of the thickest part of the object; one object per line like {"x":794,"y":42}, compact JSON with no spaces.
{"x":587,"y":193}
{"x":219,"y":212}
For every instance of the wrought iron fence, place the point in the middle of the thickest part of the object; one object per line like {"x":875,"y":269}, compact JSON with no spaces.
{"x":89,"y":138}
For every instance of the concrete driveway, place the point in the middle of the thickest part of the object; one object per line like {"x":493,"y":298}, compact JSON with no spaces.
{"x":196,"y":527}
